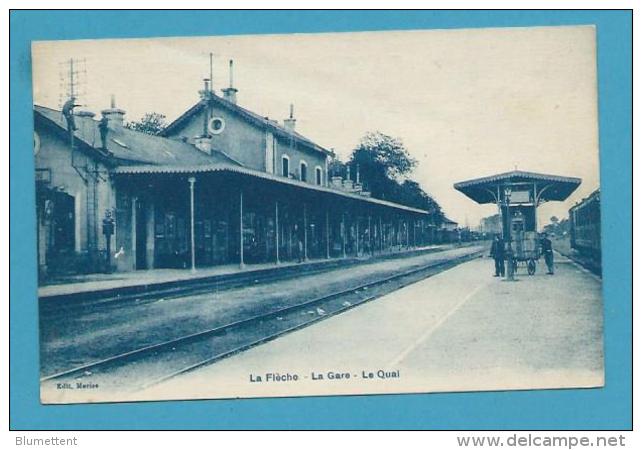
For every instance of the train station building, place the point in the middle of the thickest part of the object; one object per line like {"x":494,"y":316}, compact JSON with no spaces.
{"x":220,"y":185}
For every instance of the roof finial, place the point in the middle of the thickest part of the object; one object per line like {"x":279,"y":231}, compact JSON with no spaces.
{"x":291,"y":111}
{"x":231,"y":73}
{"x":113,"y":101}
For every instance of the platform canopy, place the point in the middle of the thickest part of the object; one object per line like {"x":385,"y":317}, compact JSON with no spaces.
{"x":150,"y":169}
{"x":545,"y":187}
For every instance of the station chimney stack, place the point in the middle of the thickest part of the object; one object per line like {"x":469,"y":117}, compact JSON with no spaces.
{"x":115,"y":117}
{"x":290,"y":122}
{"x":229,"y":93}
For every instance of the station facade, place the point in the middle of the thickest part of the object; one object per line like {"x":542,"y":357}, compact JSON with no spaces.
{"x":220,"y":185}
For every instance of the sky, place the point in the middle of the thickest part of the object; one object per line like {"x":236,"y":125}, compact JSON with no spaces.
{"x":466,"y":103}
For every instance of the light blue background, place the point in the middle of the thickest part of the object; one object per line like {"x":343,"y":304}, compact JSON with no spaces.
{"x":608,"y":408}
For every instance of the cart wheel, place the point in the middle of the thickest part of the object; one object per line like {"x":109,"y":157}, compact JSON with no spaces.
{"x":531,"y":267}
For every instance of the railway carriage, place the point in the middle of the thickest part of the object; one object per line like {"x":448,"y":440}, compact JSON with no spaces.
{"x":585,"y":229}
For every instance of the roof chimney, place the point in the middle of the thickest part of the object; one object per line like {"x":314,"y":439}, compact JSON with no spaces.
{"x":115,"y":116}
{"x":348,"y":183}
{"x":229,"y":93}
{"x":206,"y":92}
{"x":290,"y":122}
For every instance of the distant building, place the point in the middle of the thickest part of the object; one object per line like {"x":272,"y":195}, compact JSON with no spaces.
{"x":220,"y":185}
{"x":448,"y":231}
{"x":449,"y":225}
{"x":491,"y":225}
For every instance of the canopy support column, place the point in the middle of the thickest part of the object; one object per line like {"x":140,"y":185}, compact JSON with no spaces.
{"x":370,"y":249}
{"x":192,"y":181}
{"x":241,"y":259}
{"x":407,"y":222}
{"x":305,"y":232}
{"x":343,"y":233}
{"x":536,"y":205}
{"x":357,"y":237}
{"x":414,"y":233}
{"x":276,"y":231}
{"x":134,"y":228}
{"x":380,"y":234}
{"x":327,"y":233}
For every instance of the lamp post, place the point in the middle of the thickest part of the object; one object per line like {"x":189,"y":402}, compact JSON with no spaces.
{"x":510,"y":270}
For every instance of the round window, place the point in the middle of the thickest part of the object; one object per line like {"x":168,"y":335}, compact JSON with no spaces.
{"x":216,"y":125}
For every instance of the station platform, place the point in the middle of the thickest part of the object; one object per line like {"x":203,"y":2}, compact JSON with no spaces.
{"x":461,"y":330}
{"x":141,"y":280}
{"x":76,"y":336}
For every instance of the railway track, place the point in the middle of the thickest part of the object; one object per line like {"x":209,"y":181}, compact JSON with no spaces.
{"x":56,"y":307}
{"x":152,"y":364}
{"x":49,"y":310}
{"x":588,"y":263}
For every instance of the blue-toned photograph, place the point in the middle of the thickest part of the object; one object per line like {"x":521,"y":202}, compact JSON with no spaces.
{"x":333,"y":219}
{"x":320,"y":214}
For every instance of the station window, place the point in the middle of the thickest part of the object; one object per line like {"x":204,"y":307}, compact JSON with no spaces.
{"x":216,"y":125}
{"x":304,"y":171}
{"x":285,"y":166}
{"x":318,"y":176}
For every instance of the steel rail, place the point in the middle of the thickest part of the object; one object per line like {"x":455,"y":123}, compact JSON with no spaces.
{"x":141,"y":352}
{"x":51,"y":309}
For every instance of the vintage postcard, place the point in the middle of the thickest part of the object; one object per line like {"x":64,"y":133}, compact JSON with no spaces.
{"x":318,"y":214}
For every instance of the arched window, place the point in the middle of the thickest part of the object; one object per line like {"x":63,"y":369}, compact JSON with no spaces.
{"x":285,"y":166}
{"x":318,"y":173}
{"x":304,"y":171}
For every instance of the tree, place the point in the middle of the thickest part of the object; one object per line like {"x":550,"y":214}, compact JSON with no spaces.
{"x":386,"y":151}
{"x":150,"y":123}
{"x":557,"y":227}
{"x":413,"y":195}
{"x":336,"y":168}
{"x":382,"y":162}
{"x":384,"y":166}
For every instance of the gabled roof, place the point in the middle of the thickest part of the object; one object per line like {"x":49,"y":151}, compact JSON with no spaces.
{"x":132,"y":147}
{"x":251,"y":117}
{"x":481,"y":190}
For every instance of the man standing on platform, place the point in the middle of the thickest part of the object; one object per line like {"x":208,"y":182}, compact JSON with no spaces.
{"x":547,"y":250}
{"x":497,"y":252}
